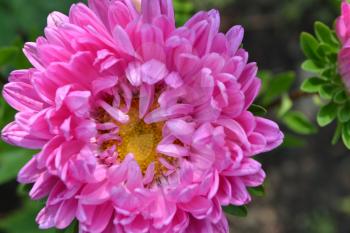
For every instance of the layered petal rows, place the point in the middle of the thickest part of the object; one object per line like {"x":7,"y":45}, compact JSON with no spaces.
{"x":141,"y":126}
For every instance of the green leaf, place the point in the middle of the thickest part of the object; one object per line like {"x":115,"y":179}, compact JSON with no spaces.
{"x":11,"y":161}
{"x":257,"y":110}
{"x":240,"y":211}
{"x":344,"y":113}
{"x":6,"y":113}
{"x":310,"y":66}
{"x":183,"y":11}
{"x":328,"y":73}
{"x":23,"y":220}
{"x":278,"y":85}
{"x":325,"y":35}
{"x":337,"y":134}
{"x":332,"y":57}
{"x":327,"y":91}
{"x":327,"y":114}
{"x":286,"y":105}
{"x":291,"y":141}
{"x":265,"y":77}
{"x":340,"y":97}
{"x":299,"y":123}
{"x":312,"y":85}
{"x":257,"y":191}
{"x":183,"y":6}
{"x":346,"y":135}
{"x":7,"y":54}
{"x":309,"y":45}
{"x":326,"y":51}
{"x":23,"y":190}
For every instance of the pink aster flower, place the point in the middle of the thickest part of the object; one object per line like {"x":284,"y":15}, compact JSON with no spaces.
{"x":141,"y":126}
{"x":343,"y":32}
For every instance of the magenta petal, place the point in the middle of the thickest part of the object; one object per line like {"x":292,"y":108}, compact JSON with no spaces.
{"x":199,"y":207}
{"x":119,"y":14}
{"x":138,"y":225}
{"x":101,"y":217}
{"x":94,"y":194}
{"x":150,"y":9}
{"x":65,"y":214}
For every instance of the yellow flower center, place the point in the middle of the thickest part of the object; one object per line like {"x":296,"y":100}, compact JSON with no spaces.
{"x":140,"y":139}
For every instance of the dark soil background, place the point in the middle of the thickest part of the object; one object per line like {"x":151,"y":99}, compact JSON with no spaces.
{"x":307,"y":188}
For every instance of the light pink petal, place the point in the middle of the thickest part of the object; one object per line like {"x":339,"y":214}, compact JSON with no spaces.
{"x":56,"y":19}
{"x":146,"y":99}
{"x":22,"y":97}
{"x":174,"y":80}
{"x":43,"y":186}
{"x":174,"y":111}
{"x":133,"y":74}
{"x":103,"y":84}
{"x":173,"y":150}
{"x":78,"y":103}
{"x":181,"y":129}
{"x":271,"y":132}
{"x":31,"y":52}
{"x":254,"y":180}
{"x":123,"y":40}
{"x":153,"y":71}
{"x":115,"y":113}
{"x":149,"y":175}
{"x":235,"y":38}
{"x":29,"y":173}
{"x":240,"y":195}
{"x":15,"y":135}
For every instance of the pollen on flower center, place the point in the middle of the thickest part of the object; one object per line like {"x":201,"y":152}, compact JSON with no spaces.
{"x":133,"y":137}
{"x":140,"y":139}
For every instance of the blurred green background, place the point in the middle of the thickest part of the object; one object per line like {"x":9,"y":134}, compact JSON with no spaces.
{"x":308,"y":184}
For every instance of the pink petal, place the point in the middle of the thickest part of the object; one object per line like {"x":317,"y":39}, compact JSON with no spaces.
{"x":235,"y":38}
{"x":153,"y":71}
{"x":22,"y":97}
